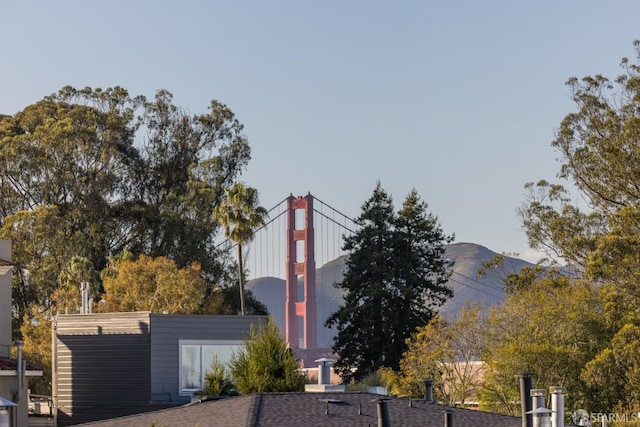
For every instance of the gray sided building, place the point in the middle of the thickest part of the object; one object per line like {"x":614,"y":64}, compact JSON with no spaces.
{"x":114,"y":364}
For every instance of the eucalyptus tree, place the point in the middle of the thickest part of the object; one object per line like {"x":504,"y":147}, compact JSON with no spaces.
{"x":553,"y":327}
{"x":590,"y":221}
{"x":597,"y":145}
{"x":189,"y":161}
{"x":92,"y":172}
{"x":65,"y":173}
{"x":240,"y":215}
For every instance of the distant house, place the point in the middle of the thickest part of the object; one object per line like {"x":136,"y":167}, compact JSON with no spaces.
{"x":313,"y":410}
{"x":114,"y":364}
{"x":13,"y":371}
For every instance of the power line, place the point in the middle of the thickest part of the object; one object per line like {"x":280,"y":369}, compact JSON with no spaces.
{"x":476,"y":289}
{"x":478,"y":282}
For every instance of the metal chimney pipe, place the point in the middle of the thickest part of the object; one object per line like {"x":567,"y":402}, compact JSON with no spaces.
{"x":557,"y":406}
{"x":526,"y":384}
{"x":428,"y":390}
{"x":383,"y":413}
{"x":537,"y":401}
{"x":19,"y":370}
{"x":324,"y":370}
{"x":84,"y":286}
{"x":448,"y":418}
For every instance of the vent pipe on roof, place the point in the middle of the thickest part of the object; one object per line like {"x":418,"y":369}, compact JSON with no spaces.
{"x":84,"y":286}
{"x":19,"y":370}
{"x":428,"y":391}
{"x":383,"y":413}
{"x":538,"y":409}
{"x":557,"y":406}
{"x":324,"y":370}
{"x":448,"y":418}
{"x":526,"y":384}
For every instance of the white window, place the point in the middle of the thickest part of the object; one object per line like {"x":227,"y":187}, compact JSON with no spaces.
{"x":195,"y":359}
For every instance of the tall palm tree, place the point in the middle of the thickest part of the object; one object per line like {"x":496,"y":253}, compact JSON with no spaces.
{"x":240,"y":215}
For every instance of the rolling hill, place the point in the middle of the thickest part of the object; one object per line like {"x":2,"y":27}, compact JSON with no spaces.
{"x":467,"y":287}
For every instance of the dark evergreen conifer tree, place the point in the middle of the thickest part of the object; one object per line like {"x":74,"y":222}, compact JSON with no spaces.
{"x":396,"y":275}
{"x":422,"y":271}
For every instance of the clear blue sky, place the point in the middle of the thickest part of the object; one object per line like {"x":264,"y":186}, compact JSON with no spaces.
{"x":459,"y":99}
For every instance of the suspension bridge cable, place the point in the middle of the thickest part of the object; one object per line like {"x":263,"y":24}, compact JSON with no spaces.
{"x":335,"y":210}
{"x":334,"y":221}
{"x":279,"y":248}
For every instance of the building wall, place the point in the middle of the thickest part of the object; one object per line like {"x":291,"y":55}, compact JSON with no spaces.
{"x":8,"y":387}
{"x":9,"y":380}
{"x":5,"y":298}
{"x":101,"y":366}
{"x":112,"y":364}
{"x":168,"y":329}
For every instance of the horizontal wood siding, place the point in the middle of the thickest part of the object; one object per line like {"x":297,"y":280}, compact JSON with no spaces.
{"x":113,"y":364}
{"x":102,"y":366}
{"x":168,"y":329}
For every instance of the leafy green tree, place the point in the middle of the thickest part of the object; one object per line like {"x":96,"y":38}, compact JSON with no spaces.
{"x":597,"y":145}
{"x":266,"y":364}
{"x":449,"y":353}
{"x":553,"y":328}
{"x":36,"y":333}
{"x":394,"y":279}
{"x":613,"y":376}
{"x":92,"y":172}
{"x":225,"y":299}
{"x":40,"y":245}
{"x":61,"y":179}
{"x":68,"y":297}
{"x":152,"y":284}
{"x":71,"y":152}
{"x":240,"y":215}
{"x":188,"y":162}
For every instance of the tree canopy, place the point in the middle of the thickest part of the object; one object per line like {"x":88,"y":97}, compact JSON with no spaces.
{"x":590,"y":222}
{"x":552,"y":327}
{"x":266,"y":364}
{"x":87,"y":175}
{"x":396,"y":276}
{"x":90,"y":172}
{"x":597,"y":145}
{"x":152,"y":284}
{"x":449,"y":352}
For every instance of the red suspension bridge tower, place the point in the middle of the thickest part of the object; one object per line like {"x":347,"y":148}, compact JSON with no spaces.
{"x":300,"y":303}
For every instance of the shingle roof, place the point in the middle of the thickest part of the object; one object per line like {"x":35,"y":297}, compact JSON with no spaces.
{"x":233,"y":411}
{"x":7,"y":364}
{"x":310,"y":410}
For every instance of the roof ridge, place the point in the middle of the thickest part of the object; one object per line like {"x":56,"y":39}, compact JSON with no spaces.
{"x":254,"y":410}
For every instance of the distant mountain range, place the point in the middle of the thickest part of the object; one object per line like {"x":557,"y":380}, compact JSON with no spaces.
{"x":467,"y":286}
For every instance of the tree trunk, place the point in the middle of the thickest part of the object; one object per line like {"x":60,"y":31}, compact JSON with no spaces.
{"x":240,"y":279}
